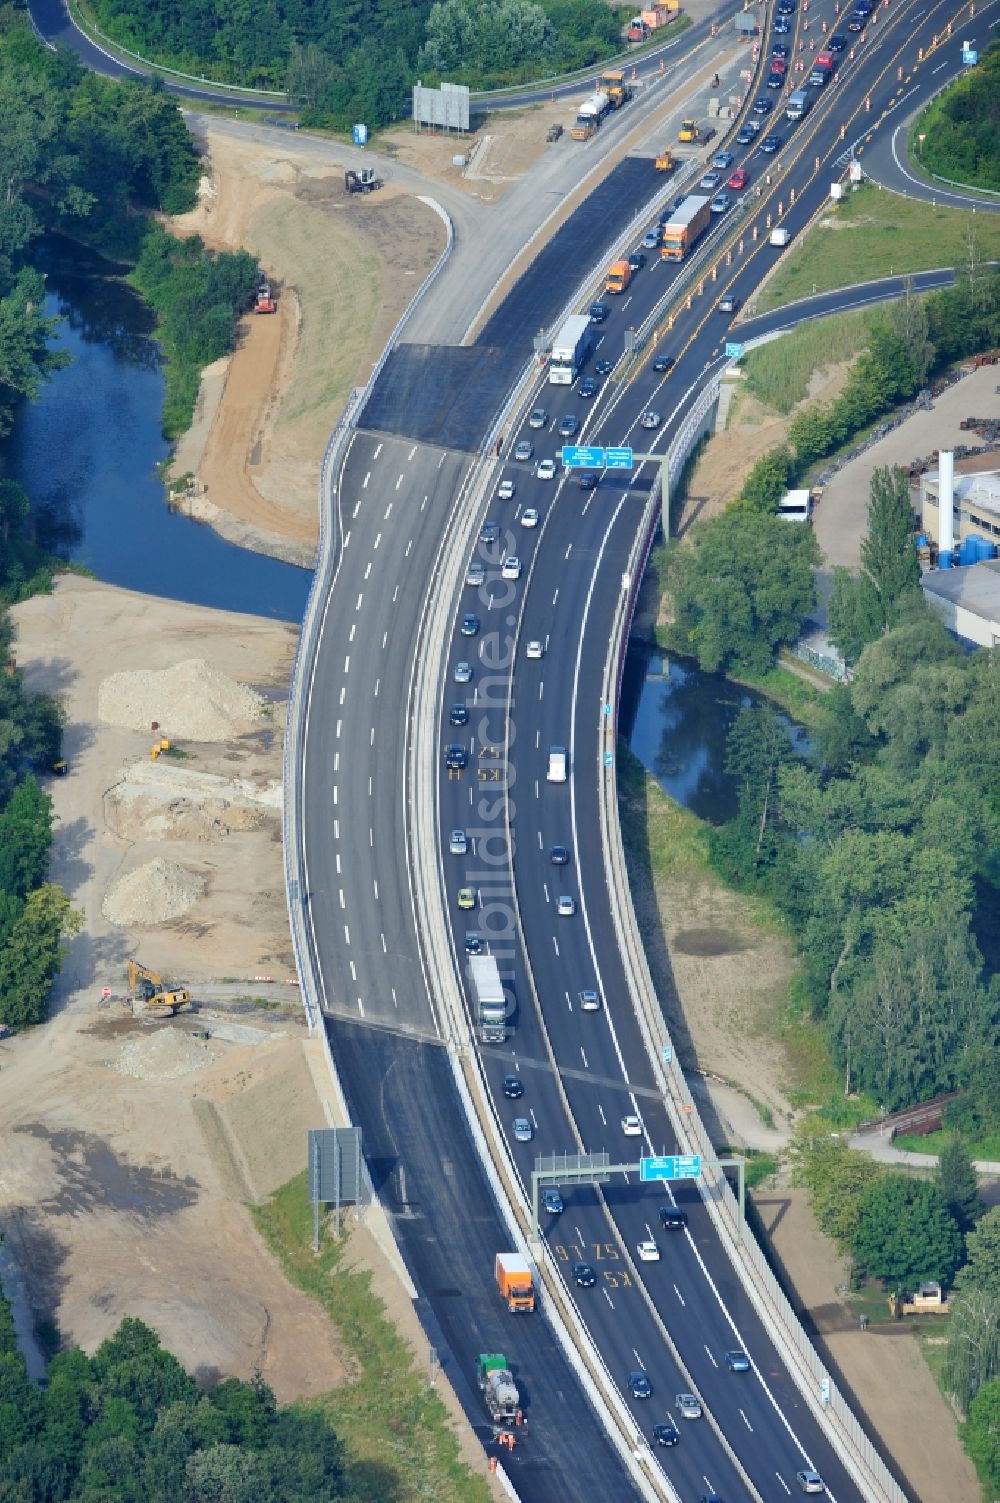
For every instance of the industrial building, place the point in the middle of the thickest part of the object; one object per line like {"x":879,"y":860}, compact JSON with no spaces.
{"x":960,"y":513}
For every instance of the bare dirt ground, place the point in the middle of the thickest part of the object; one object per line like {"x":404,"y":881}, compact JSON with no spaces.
{"x":891,"y":1381}
{"x":750,"y":430}
{"x":345,"y":268}
{"x":132,"y":1148}
{"x":501,"y":149}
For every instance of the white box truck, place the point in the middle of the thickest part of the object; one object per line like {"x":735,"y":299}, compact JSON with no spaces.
{"x":557,"y":765}
{"x":491,"y":1003}
{"x":570,"y":349}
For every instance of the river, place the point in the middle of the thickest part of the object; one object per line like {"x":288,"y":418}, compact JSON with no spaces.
{"x":87,"y":451}
{"x":676,"y":720}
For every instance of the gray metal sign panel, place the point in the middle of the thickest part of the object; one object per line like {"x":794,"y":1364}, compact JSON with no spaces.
{"x":447,"y":106}
{"x":335,"y":1165}
{"x":581,"y":1168}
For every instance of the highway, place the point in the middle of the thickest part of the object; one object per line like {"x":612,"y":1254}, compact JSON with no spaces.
{"x":582,"y":1072}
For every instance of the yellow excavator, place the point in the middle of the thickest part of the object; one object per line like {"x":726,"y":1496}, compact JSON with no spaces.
{"x":156,"y":998}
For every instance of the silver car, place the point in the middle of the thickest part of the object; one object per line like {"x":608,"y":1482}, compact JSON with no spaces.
{"x":810,"y":1482}
{"x":523,"y":1130}
{"x":688,"y":1406}
{"x":458,"y":843}
{"x":539,"y":417}
{"x":524,"y":450}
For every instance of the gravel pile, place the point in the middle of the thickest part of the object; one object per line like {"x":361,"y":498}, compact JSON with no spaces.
{"x":152,"y":894}
{"x":191,"y":701}
{"x":163,"y":1055}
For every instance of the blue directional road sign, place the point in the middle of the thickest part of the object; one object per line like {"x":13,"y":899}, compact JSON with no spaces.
{"x":970,"y":56}
{"x":734,"y":351}
{"x":671,"y":1166}
{"x":580,"y":457}
{"x":618,"y":459}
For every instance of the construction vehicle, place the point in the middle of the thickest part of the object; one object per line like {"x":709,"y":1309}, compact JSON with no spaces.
{"x":265,"y":301}
{"x":590,"y":115}
{"x":684,"y":226}
{"x":364,"y":180}
{"x":618,"y":278}
{"x":491,"y":1001}
{"x":497,"y":1387}
{"x":151,"y":994}
{"x":515,"y":1282}
{"x":689,"y":131}
{"x":614,"y":85}
{"x":928,"y":1300}
{"x":665,"y":160}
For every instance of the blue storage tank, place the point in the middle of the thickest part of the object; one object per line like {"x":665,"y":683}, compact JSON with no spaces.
{"x":945,"y":560}
{"x":968,"y":553}
{"x":987,"y":549}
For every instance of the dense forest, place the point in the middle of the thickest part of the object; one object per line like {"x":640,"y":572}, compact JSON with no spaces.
{"x":129,"y":1424}
{"x":959,"y":135}
{"x":877,"y":846}
{"x":344,"y":61}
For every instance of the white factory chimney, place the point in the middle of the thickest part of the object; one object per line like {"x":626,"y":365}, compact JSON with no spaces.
{"x":946,"y":501}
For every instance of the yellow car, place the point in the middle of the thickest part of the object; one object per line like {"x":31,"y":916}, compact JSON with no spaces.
{"x":466,"y":897}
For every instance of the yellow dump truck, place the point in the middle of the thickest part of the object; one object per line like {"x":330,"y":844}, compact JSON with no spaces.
{"x":689,"y":131}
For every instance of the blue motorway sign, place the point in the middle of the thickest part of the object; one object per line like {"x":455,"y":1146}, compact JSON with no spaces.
{"x":734,"y":351}
{"x":970,"y":56}
{"x":618,"y":459}
{"x":671,"y":1166}
{"x":580,"y":457}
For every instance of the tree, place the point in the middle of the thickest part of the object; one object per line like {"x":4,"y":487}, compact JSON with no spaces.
{"x":30,"y":960}
{"x":768,"y":480}
{"x":742,"y":588}
{"x":972,"y":1358}
{"x":905,"y":1233}
{"x":854,"y":615}
{"x":836,"y":1178}
{"x":982,"y":1248}
{"x":813,"y":432}
{"x":908,"y":320}
{"x":25,"y":839}
{"x":888,"y":556}
{"x":957,"y":1184}
{"x":840,"y":738}
{"x":981,"y":1435}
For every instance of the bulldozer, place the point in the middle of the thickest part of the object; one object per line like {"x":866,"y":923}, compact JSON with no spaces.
{"x":151,"y":995}
{"x":365,"y":180}
{"x":689,"y":131}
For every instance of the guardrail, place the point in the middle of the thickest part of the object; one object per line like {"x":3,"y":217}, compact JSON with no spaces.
{"x":814,"y":1381}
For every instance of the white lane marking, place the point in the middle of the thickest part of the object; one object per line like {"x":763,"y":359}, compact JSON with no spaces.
{"x":540,"y":846}
{"x":336,"y":829}
{"x":343,"y":900}
{"x":711,"y":1356}
{"x":555,"y":597}
{"x":354,"y":971}
{"x":378,"y":451}
{"x":347,"y":665}
{"x":940,"y":66}
{"x":585,"y":1064}
{"x":347,"y":539}
{"x":334,"y":793}
{"x":603,"y":1117}
{"x":541,"y":689}
{"x":399,"y":482}
{"x":375,"y":885}
{"x":395,"y":1003}
{"x":369,"y":787}
{"x":784,"y":1484}
{"x":357,"y":508}
{"x":569,"y":1003}
{"x":442,"y":460}
{"x":545,"y":889}
{"x":609,"y":1299}
{"x":354,"y":627}
{"x":536,"y":788}
{"x":337,"y":858}
{"x":638,"y":1359}
{"x":368,"y":568}
{"x":395,"y":595}
{"x":538,"y":742}
{"x":385,"y":947}
{"x":361,"y":1007}
{"x":424,"y":502}
{"x":371,"y":832}
{"x":339,"y":725}
{"x":534,"y":1119}
{"x":555,"y":944}
{"x":378,"y":539}
{"x":746,"y":1422}
{"x":385,"y":638}
{"x":371,"y":737}
{"x":364,"y":483}
{"x":377,"y":682}
{"x":569,"y":550}
{"x":387,"y":511}
{"x":336,"y":761}
{"x":412,"y":452}
{"x":347,"y":935}
{"x":680,"y":1296}
{"x":360,"y":598}
{"x":408,"y":547}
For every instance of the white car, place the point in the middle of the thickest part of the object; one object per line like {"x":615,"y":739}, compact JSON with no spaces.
{"x":534,"y":649}
{"x":529,"y":517}
{"x":565,"y":907}
{"x":546,"y":469}
{"x":511,"y":567}
{"x":505,"y":490}
{"x":650,"y":419}
{"x":589,"y":1001}
{"x":648,"y":1252}
{"x":632,"y":1126}
{"x":458,"y":844}
{"x":689,"y":1406}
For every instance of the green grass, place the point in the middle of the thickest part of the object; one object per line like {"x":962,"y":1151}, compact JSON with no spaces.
{"x":800,"y":698}
{"x":874,"y":234}
{"x":987,"y":1147}
{"x":398,"y":1435}
{"x":778,"y":373}
{"x":669,"y":841}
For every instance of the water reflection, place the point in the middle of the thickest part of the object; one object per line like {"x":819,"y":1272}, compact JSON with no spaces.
{"x":677,"y":720}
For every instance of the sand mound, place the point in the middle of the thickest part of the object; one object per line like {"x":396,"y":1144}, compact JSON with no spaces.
{"x":163,"y":1055}
{"x":190,"y":700}
{"x":152,"y":894}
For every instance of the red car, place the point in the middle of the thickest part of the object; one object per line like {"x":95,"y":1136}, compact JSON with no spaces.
{"x":778,"y":65}
{"x":739,"y":179}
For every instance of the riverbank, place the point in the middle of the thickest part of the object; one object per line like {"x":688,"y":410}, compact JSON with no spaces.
{"x":344,"y":268}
